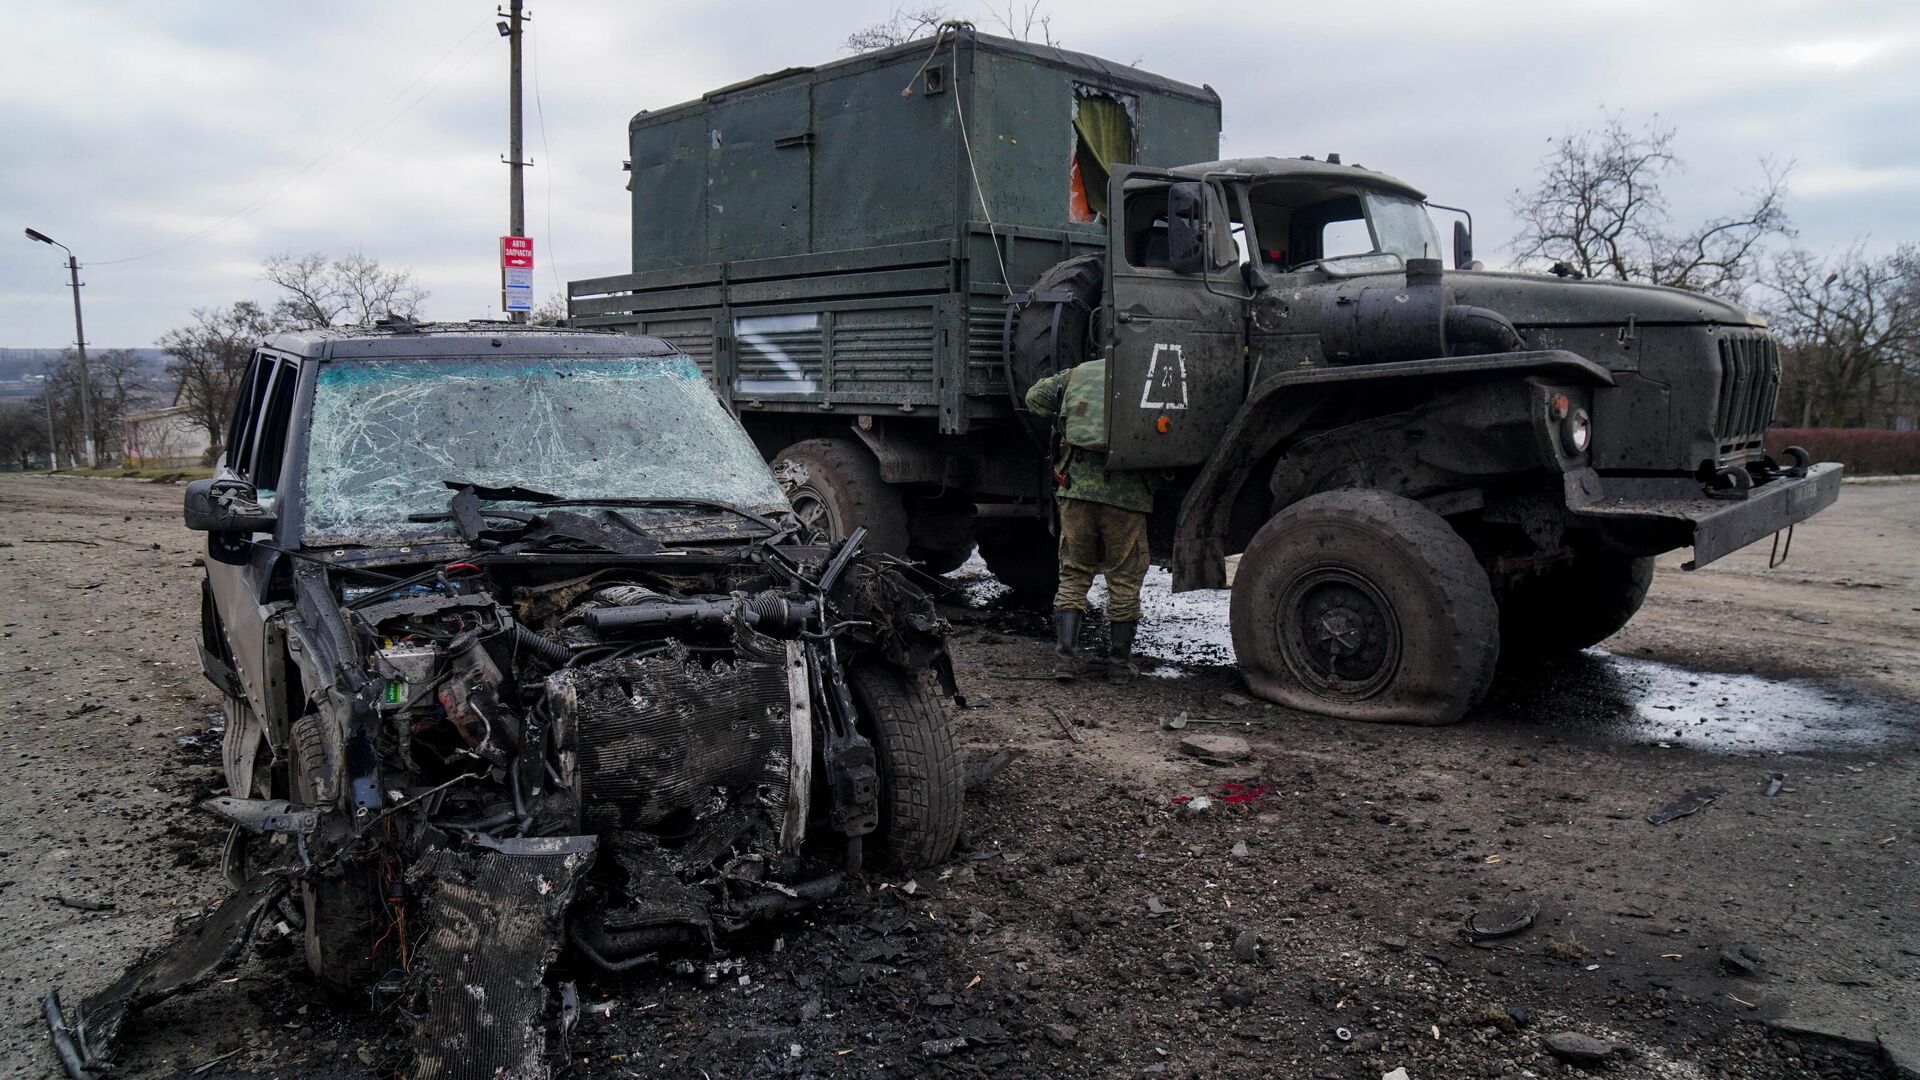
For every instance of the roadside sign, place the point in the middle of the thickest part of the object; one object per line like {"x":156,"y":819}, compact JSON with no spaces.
{"x":516,"y":299}
{"x":516,"y":277}
{"x":516,"y":252}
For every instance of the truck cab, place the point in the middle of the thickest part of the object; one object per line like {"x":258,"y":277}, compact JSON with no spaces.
{"x":1282,"y":330}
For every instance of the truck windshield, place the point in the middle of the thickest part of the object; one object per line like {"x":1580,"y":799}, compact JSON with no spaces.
{"x":385,"y":434}
{"x":1401,"y":227}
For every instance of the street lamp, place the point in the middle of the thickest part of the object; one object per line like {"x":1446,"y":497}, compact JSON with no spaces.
{"x":80,"y":344}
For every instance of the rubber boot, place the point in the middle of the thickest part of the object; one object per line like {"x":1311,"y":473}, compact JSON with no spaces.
{"x":1120,"y":654}
{"x":1066,"y":636}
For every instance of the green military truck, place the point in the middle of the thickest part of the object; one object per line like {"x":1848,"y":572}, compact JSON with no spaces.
{"x":1421,"y":468}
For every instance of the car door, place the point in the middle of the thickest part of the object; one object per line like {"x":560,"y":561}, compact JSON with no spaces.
{"x":1176,"y":372}
{"x":256,"y":444}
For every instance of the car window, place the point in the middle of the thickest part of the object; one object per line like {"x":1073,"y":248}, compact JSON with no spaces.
{"x":246,"y":406}
{"x":270,"y":430}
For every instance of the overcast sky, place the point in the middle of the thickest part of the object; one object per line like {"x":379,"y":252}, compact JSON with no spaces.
{"x":138,"y":132}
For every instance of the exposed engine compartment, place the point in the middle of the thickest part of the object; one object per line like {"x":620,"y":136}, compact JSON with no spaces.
{"x":624,"y":753}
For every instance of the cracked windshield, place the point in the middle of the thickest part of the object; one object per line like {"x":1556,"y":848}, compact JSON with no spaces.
{"x":387,"y":434}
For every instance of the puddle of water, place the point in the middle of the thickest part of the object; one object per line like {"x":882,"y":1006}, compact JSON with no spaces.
{"x":1594,"y":695}
{"x":1611,"y":698}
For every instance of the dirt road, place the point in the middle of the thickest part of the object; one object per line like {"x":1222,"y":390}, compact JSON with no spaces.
{"x":1097,"y":927}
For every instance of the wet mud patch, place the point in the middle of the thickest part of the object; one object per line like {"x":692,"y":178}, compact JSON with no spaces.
{"x":1603,"y":697}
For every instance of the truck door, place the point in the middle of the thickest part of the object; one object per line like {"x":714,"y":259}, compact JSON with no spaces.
{"x":1175,"y":318}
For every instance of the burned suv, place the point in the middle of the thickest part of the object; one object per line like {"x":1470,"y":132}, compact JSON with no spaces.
{"x":523,"y":648}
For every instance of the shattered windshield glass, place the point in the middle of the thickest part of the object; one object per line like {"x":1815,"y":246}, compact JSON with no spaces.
{"x":387,"y":433}
{"x":1401,"y":227}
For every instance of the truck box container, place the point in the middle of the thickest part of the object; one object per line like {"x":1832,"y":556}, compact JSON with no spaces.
{"x":841,"y":240}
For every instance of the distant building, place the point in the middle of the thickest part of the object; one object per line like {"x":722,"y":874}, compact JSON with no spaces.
{"x":163,"y":438}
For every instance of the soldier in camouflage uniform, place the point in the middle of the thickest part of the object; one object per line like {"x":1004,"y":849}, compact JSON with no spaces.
{"x":1103,"y":518}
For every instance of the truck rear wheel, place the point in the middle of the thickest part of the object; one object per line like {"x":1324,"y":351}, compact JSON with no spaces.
{"x":1025,"y":557}
{"x":922,"y":785}
{"x":1367,"y":606}
{"x":843,"y":491}
{"x":1578,"y":603}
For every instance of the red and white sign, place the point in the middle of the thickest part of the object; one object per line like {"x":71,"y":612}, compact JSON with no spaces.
{"x":516,"y":252}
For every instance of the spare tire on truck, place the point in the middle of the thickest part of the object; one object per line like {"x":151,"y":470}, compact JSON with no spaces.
{"x":1052,"y":331}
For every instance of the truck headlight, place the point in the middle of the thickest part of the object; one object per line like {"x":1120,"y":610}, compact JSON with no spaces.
{"x":1576,"y":431}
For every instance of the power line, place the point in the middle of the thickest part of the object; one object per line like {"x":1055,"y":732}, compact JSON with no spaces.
{"x":320,"y":164}
{"x":30,"y":305}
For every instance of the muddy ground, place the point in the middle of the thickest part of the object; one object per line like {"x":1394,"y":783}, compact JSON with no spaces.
{"x":1095,"y":927}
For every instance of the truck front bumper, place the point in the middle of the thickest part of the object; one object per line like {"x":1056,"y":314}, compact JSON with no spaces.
{"x":1651,"y":514}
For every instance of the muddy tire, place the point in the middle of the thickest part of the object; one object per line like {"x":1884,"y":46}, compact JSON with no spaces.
{"x":1367,"y":606}
{"x":843,"y":491}
{"x":342,"y":904}
{"x":922,"y":783}
{"x":1573,"y":605}
{"x":1039,"y":347}
{"x":1024,"y":556}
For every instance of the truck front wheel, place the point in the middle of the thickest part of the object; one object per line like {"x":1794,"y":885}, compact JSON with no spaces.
{"x":1367,"y":606}
{"x":841,"y":490}
{"x":1578,"y":603}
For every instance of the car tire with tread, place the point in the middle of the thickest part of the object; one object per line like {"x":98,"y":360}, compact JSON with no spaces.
{"x":1573,"y":605}
{"x":342,"y":904}
{"x":922,"y":783}
{"x":844,"y":490}
{"x":1368,"y":606}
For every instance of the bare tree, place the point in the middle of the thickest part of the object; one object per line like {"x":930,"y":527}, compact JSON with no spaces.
{"x":1849,"y":327}
{"x":350,"y":291}
{"x":549,"y":312}
{"x":207,"y":359}
{"x":23,"y":435}
{"x":116,"y":383}
{"x":1027,"y":20}
{"x":1599,"y":207}
{"x":904,"y":25}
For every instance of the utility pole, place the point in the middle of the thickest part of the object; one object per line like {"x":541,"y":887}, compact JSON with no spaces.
{"x":516,"y":186}
{"x":80,"y":330}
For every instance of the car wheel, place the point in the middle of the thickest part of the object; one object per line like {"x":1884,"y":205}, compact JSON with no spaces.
{"x":922,"y":784}
{"x":342,"y":903}
{"x":1365,"y":605}
{"x":843,"y":491}
{"x":1025,"y":557}
{"x":1573,"y":605}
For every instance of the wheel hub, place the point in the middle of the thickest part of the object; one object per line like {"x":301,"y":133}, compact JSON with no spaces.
{"x":1338,"y":633}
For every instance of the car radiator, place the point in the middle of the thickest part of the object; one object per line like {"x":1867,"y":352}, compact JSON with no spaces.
{"x":658,"y":735}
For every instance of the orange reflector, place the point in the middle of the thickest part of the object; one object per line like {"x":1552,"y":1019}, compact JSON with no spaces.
{"x":1560,"y":407}
{"x":1161,"y":425}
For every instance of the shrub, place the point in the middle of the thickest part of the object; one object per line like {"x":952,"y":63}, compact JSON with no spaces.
{"x":1864,"y":451}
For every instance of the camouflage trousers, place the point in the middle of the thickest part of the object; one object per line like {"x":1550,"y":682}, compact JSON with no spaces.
{"x":1099,"y":539}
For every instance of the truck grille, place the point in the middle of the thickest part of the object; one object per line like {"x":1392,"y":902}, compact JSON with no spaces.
{"x":1749,"y":387}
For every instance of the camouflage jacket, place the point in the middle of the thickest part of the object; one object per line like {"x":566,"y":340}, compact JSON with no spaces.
{"x":1081,"y":404}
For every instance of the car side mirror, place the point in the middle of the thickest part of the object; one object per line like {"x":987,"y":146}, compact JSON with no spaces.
{"x":1462,"y":246}
{"x":1186,"y":228}
{"x":226,"y":507}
